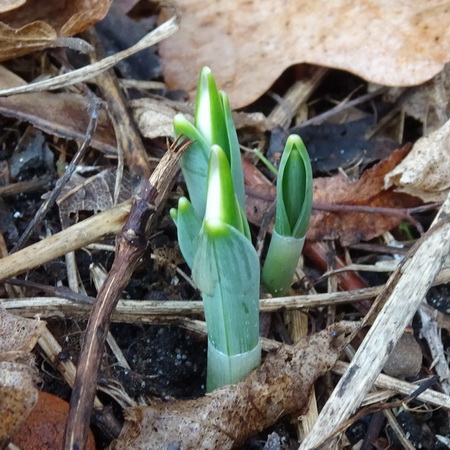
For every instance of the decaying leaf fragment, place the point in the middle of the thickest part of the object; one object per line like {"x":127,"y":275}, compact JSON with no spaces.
{"x":229,"y":415}
{"x":154,"y":116}
{"x":38,"y":24}
{"x":18,"y":393}
{"x":425,"y":172}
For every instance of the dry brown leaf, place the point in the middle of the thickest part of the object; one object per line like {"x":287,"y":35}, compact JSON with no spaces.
{"x":352,"y":227}
{"x":93,"y":194}
{"x":231,"y":414}
{"x":349,"y":227}
{"x":37,"y":24}
{"x":8,"y":5}
{"x":64,"y":114}
{"x":249,"y":44}
{"x":425,"y":172}
{"x":154,"y":116}
{"x":18,"y":334}
{"x":18,"y":394}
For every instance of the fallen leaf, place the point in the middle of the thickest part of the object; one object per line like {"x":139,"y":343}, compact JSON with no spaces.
{"x":425,"y":172}
{"x":38,"y":24}
{"x":231,"y":414}
{"x":63,"y":114}
{"x":18,"y":393}
{"x":393,"y":43}
{"x":93,"y":194}
{"x":44,"y":427}
{"x":352,"y":227}
{"x":348,"y":226}
{"x":260,"y":193}
{"x":8,"y":5}
{"x":154,"y":116}
{"x":18,"y":334}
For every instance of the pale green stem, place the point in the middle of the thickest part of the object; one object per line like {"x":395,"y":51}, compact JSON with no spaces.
{"x":223,"y":369}
{"x":280,"y":264}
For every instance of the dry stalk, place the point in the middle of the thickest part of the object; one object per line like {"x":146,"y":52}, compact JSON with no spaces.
{"x":147,"y":311}
{"x":399,"y":302}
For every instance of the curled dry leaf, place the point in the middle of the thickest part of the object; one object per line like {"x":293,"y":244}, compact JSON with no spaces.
{"x":231,"y":414}
{"x":18,"y":394}
{"x":38,"y":24}
{"x":254,"y":41}
{"x":425,"y":172}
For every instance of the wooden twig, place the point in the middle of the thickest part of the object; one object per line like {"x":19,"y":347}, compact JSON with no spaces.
{"x":77,"y":307}
{"x":83,"y":233}
{"x":130,"y":245}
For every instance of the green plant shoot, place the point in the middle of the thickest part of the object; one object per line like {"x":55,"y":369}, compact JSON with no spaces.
{"x":214,"y":236}
{"x":213,"y":125}
{"x":293,"y":210}
{"x":226,"y":270}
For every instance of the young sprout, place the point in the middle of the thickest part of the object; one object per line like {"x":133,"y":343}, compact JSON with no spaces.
{"x":213,"y":125}
{"x":226,"y":270}
{"x":294,"y":203}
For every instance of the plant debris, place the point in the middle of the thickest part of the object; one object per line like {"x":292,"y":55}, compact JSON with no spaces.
{"x":22,"y":31}
{"x":18,"y":393}
{"x":231,"y":414}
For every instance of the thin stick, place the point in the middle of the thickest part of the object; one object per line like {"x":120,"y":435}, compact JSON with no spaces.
{"x":130,"y":245}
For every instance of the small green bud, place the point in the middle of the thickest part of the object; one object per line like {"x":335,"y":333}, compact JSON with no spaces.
{"x":294,"y":190}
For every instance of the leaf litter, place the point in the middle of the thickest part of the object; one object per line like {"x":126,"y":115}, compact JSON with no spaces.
{"x":349,"y":227}
{"x":231,"y":414}
{"x":18,"y":376}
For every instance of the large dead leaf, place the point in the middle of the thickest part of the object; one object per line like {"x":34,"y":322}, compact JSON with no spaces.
{"x":348,"y":226}
{"x":249,"y":44}
{"x":425,"y":172}
{"x":37,"y":24}
{"x":231,"y":414}
{"x":18,"y":394}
